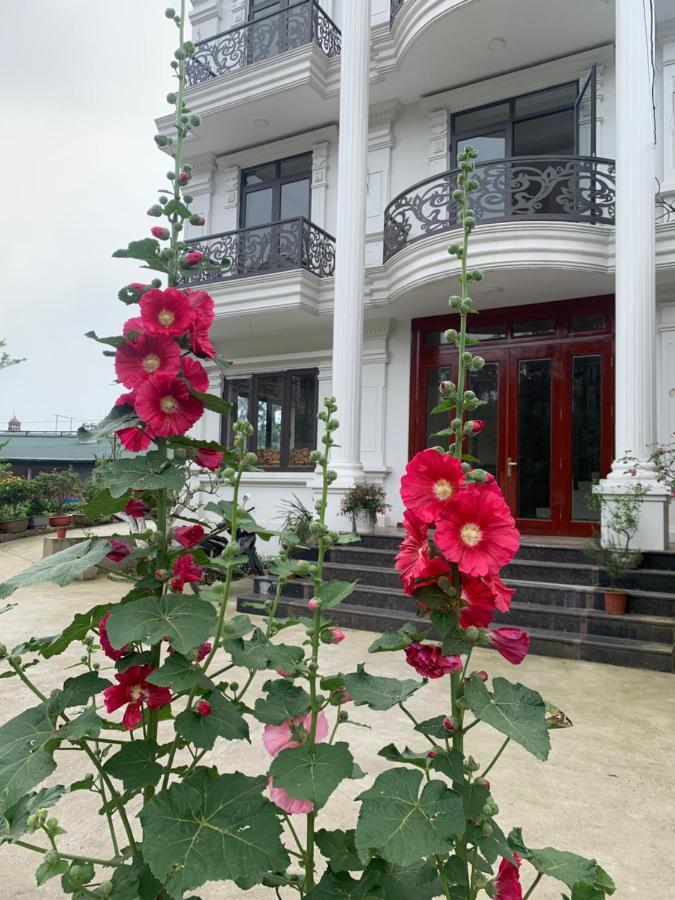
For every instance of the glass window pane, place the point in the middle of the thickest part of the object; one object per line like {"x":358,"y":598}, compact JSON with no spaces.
{"x":553,"y":134}
{"x":533,"y":328}
{"x":260,"y":174}
{"x":258,"y":208}
{"x":269,"y":419}
{"x":488,"y":146}
{"x":303,"y":418}
{"x":479,"y":332}
{"x":437,"y":421}
{"x":534,"y":439}
{"x":258,"y":8}
{"x":298,"y":165}
{"x":586,"y":433}
{"x":542,"y":101}
{"x":478,"y":119}
{"x":588,"y":322}
{"x":485,"y":445}
{"x":295,"y":199}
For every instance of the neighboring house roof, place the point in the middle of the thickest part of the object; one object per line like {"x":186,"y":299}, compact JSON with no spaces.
{"x":50,"y":448}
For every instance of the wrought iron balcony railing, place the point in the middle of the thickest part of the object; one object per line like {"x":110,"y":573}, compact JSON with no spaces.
{"x":559,"y":188}
{"x":279,"y":247}
{"x":395,"y":6}
{"x":303,"y":23}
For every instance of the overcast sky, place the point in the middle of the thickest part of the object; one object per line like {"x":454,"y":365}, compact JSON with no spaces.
{"x":82,"y":81}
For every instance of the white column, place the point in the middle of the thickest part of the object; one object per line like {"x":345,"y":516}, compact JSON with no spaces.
{"x":635,"y":394}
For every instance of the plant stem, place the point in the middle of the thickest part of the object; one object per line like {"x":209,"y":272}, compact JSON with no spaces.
{"x":26,"y":680}
{"x":114,"y":796}
{"x":533,"y":885}
{"x":109,"y":863}
{"x":499,"y":753}
{"x":415,"y":723}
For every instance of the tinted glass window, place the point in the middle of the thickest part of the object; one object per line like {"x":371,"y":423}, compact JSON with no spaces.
{"x":477,"y":119}
{"x":550,"y":134}
{"x":588,"y":322}
{"x":542,"y":101}
{"x":534,"y":328}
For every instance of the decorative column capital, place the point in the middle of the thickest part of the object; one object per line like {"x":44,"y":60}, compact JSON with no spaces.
{"x":438,"y":137}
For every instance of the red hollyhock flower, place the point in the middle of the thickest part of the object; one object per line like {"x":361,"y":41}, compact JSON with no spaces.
{"x":135,"y":439}
{"x":413,"y":561}
{"x":195,"y":374}
{"x":165,"y":404}
{"x":477,"y":425}
{"x":189,"y":535}
{"x":185,"y":572}
{"x":106,"y":646}
{"x":431,"y":480}
{"x":135,"y":691}
{"x":166,"y":312}
{"x":428,"y":661}
{"x":119,"y":551}
{"x":500,"y":592}
{"x":483,"y":596}
{"x":137,"y":360}
{"x":203,"y":650}
{"x":162,"y":234}
{"x":133,"y":324}
{"x":508,"y":880}
{"x":193,"y":258}
{"x":512,"y":643}
{"x":127,"y":399}
{"x":137,"y":508}
{"x":203,"y":708}
{"x":478,"y":531}
{"x":209,"y":459}
{"x":204,"y":312}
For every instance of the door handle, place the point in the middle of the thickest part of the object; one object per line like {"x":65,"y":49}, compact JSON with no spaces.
{"x":510,"y":463}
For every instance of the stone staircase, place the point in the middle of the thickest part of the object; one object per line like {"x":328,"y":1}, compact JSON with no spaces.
{"x":558,"y":601}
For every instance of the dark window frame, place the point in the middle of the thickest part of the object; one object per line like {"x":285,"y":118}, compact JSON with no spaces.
{"x":263,"y":5}
{"x":276,"y":184}
{"x":285,"y":448}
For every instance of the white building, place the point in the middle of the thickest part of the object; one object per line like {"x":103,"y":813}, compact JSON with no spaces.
{"x":322,"y":167}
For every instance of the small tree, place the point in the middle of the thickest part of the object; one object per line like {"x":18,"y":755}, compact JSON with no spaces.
{"x":620,"y":518}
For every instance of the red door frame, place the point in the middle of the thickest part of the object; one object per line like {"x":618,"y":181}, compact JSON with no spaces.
{"x":561,"y":346}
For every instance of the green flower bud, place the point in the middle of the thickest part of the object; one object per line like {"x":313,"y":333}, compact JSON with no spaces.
{"x":450,"y":336}
{"x":477,"y":363}
{"x":172,"y":98}
{"x":51,"y":857}
{"x":156,"y":211}
{"x":472,"y":634}
{"x":195,"y":121}
{"x":156,"y":283}
{"x":188,"y":198}
{"x":105,"y":889}
{"x":189,"y":47}
{"x":161,"y":140}
{"x":180,"y":53}
{"x":315,"y":456}
{"x":250,"y":459}
{"x":169,"y":12}
{"x":234,"y":686}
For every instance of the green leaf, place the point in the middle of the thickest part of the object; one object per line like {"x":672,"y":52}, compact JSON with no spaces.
{"x":259,"y":653}
{"x":77,"y":691}
{"x":79,"y":873}
{"x":283,"y":701}
{"x":342,"y":885}
{"x":339,"y":849}
{"x":420,"y":881}
{"x":135,"y":882}
{"x":237,"y":627}
{"x":88,"y":724}
{"x":474,"y":796}
{"x":186,"y":621}
{"x":178,"y":206}
{"x":312,"y":773}
{"x":149,"y":473}
{"x":103,"y":505}
{"x":405,"y":757}
{"x":14,"y":819}
{"x":349,"y":538}
{"x":49,"y":868}
{"x":23,"y":762}
{"x":583,"y":890}
{"x":115,"y":341}
{"x":211,"y":829}
{"x":82,"y":623}
{"x":512,"y":709}
{"x":403,"y":826}
{"x":212,"y":402}
{"x":146,"y":250}
{"x":135,"y":765}
{"x":333,"y":593}
{"x":179,"y":673}
{"x":123,"y":416}
{"x":225,"y":720}
{"x":566,"y":867}
{"x":450,"y":763}
{"x":377,"y":692}
{"x":60,"y":568}
{"x":390,"y":641}
{"x":433,"y":727}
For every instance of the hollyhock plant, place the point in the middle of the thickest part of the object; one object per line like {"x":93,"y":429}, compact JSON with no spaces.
{"x":119,"y":551}
{"x":189,"y":535}
{"x":185,"y":572}
{"x":167,"y":406}
{"x":134,"y":692}
{"x":209,"y":459}
{"x":292,"y":733}
{"x":414,"y":562}
{"x":203,"y":708}
{"x":195,"y":374}
{"x":148,"y":354}
{"x":428,"y":661}
{"x":288,"y":804}
{"x":512,"y":643}
{"x":137,"y":508}
{"x":508,"y":880}
{"x":135,"y":439}
{"x":430,"y":483}
{"x":106,"y":646}
{"x":166,"y":312}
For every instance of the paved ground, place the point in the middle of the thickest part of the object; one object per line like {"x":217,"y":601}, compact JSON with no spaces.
{"x":608,"y":790}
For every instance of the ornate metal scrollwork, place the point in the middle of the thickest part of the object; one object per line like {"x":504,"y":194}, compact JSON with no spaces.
{"x":561,"y":188}
{"x":303,"y":23}
{"x":394,"y":9}
{"x":281,"y":246}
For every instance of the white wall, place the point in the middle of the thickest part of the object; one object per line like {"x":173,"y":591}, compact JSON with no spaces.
{"x":398,"y":406}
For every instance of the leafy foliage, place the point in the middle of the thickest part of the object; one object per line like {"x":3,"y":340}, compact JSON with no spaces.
{"x":60,"y":568}
{"x":513,"y":709}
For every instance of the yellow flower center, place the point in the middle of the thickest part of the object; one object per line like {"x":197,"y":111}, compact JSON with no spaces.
{"x":168,"y":404}
{"x":471,"y":534}
{"x":136,"y":693}
{"x":151,"y":362}
{"x":443,"y":489}
{"x":166,"y":317}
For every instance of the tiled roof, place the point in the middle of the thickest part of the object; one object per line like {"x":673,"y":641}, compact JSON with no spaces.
{"x":50,"y":448}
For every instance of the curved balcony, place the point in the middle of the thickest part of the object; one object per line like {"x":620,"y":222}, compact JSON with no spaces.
{"x":279,"y":247}
{"x":233,"y":50}
{"x":549,"y":188}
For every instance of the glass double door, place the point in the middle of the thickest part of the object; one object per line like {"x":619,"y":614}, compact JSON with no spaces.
{"x":549,"y":427}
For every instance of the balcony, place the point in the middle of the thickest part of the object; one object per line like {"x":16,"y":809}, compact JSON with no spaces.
{"x":255,"y":41}
{"x":550,"y":188}
{"x":394,"y":9}
{"x":279,"y":247}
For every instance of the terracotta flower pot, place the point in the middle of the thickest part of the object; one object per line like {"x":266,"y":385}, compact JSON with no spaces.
{"x":615,"y":602}
{"x":61,"y":524}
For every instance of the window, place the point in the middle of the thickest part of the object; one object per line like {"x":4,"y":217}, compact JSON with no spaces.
{"x":276,"y":191}
{"x":282,"y":408}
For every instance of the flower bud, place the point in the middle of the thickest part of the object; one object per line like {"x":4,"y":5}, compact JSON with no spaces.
{"x":203,"y":708}
{"x":342,"y":715}
{"x":156,"y":283}
{"x":432,"y":754}
{"x":250,"y":459}
{"x":161,"y":140}
{"x":155,"y":210}
{"x":170,"y":12}
{"x":472,"y":633}
{"x":195,"y":121}
{"x":314,"y":604}
{"x":479,"y":476}
{"x":477,"y":363}
{"x":184,"y":178}
{"x":162,"y":574}
{"x":188,"y":198}
{"x":337,"y":636}
{"x":475,"y":426}
{"x":193,"y":258}
{"x":196,"y":219}
{"x":180,"y":53}
{"x":483,"y":675}
{"x":162,"y":234}
{"x":171,"y":98}
{"x":449,"y":724}
{"x":450,"y":335}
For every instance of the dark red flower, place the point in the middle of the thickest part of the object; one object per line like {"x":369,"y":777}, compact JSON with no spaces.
{"x":203,"y":650}
{"x":166,"y":312}
{"x":162,"y":234}
{"x":195,"y":374}
{"x":512,"y":643}
{"x":183,"y":178}
{"x":106,"y":646}
{"x":508,"y":880}
{"x":138,"y":287}
{"x":209,"y":459}
{"x":148,"y":354}
{"x":133,"y":325}
{"x":185,"y":572}
{"x":127,"y":399}
{"x":477,"y":425}
{"x":166,"y":405}
{"x":417,"y":567}
{"x":135,"y":439}
{"x":193,"y":258}
{"x":137,"y":508}
{"x":428,"y":661}
{"x":189,"y":535}
{"x":204,"y":312}
{"x":430,"y":483}
{"x":119,"y":551}
{"x":203,"y":708}
{"x":135,"y":691}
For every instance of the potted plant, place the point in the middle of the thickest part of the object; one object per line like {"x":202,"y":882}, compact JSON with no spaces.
{"x":60,"y":490}
{"x":620,"y":516}
{"x":15,"y":495}
{"x":364,"y":502}
{"x":37,"y":513}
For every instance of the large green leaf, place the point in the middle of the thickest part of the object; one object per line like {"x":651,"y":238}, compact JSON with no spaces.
{"x":420,"y":882}
{"x":405,"y":757}
{"x":566,"y":867}
{"x":513,"y":709}
{"x":339,"y":849}
{"x":212,"y":402}
{"x":14,"y":819}
{"x":60,"y":568}
{"x":103,"y":504}
{"x":77,"y":691}
{"x":211,"y":829}
{"x":312,"y":773}
{"x":135,"y":765}
{"x":87,"y":724}
{"x":146,"y":250}
{"x":150,"y":472}
{"x":135,"y":882}
{"x":179,"y":673}
{"x":403,"y":826}
{"x":332,"y":593}
{"x":378,"y":692}
{"x":82,"y":623}
{"x":23,"y":762}
{"x":185,"y":620}
{"x":284,"y":700}
{"x":259,"y":653}
{"x":342,"y":886}
{"x":390,"y":641}
{"x":225,"y":720}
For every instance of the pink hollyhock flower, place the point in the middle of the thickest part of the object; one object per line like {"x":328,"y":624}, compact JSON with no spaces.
{"x":185,"y":572}
{"x":135,"y":439}
{"x":428,"y":661}
{"x":106,"y":646}
{"x":480,"y":600}
{"x":209,"y":459}
{"x":501,"y":593}
{"x":195,"y":374}
{"x":292,"y":733}
{"x":477,"y":425}
{"x":132,"y":325}
{"x":127,"y":399}
{"x":204,"y":312}
{"x":204,"y":650}
{"x":289,"y":804}
{"x":137,"y":508}
{"x":476,"y":616}
{"x":336,"y":635}
{"x":162,"y":234}
{"x":512,"y":643}
{"x":193,"y":258}
{"x":283,"y":673}
{"x":431,"y":480}
{"x":203,"y":708}
{"x":478,"y":531}
{"x":119,"y":551}
{"x":508,"y":880}
{"x":413,"y":561}
{"x":166,"y":405}
{"x":189,"y":535}
{"x":166,"y":312}
{"x":134,"y":691}
{"x":313,"y":604}
{"x":137,"y":360}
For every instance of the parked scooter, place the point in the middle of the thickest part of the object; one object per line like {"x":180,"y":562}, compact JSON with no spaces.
{"x":216,"y":540}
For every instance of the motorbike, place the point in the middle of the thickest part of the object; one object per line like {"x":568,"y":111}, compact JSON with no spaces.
{"x":216,"y":540}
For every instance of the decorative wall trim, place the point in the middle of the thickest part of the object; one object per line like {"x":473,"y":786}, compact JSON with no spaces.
{"x":320,"y":154}
{"x":439,"y":140}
